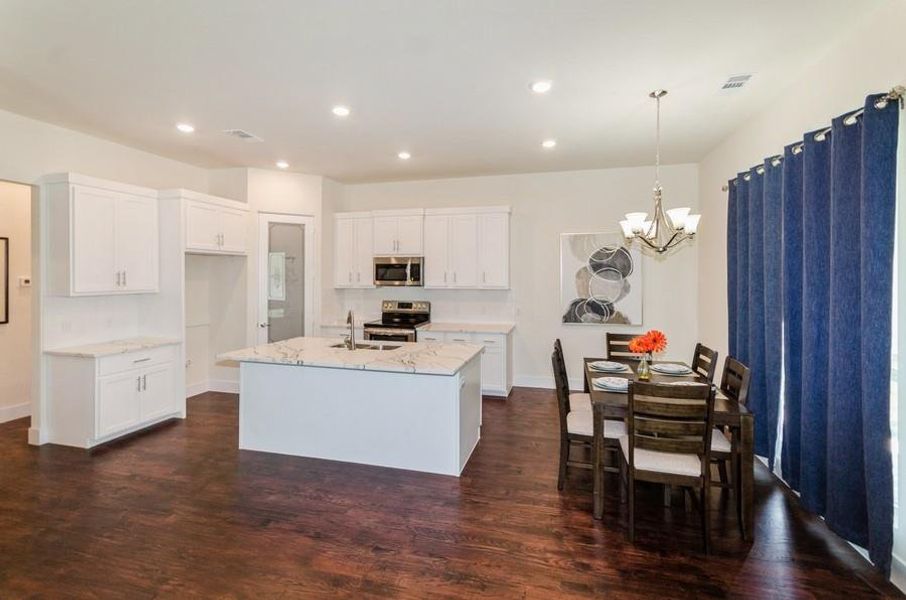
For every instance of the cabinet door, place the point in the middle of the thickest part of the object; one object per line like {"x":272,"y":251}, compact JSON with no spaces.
{"x":494,"y":250}
{"x":137,"y":243}
{"x":118,"y":405}
{"x":409,"y":240}
{"x":94,"y":268}
{"x":157,"y":397}
{"x":493,"y":368}
{"x":464,"y":250}
{"x":385,"y":236}
{"x":344,"y":253}
{"x":233,"y":231}
{"x":436,"y":251}
{"x":364,"y":253}
{"x":202,"y":226}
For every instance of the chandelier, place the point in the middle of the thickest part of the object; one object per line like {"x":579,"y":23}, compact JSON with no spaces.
{"x":665,"y":230}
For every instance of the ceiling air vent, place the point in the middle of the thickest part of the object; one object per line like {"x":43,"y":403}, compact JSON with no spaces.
{"x":243,"y":135}
{"x":735,"y":82}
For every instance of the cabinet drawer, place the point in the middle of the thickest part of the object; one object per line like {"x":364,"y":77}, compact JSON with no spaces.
{"x":429,"y":336}
{"x":136,"y":360}
{"x":460,"y":337}
{"x":489,"y":340}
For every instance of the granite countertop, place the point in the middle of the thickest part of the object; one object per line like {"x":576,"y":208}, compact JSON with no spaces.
{"x":428,"y":358}
{"x":503,"y":328}
{"x":113,"y":347}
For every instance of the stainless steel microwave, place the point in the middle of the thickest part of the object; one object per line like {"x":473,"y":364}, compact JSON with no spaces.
{"x":398,"y":271}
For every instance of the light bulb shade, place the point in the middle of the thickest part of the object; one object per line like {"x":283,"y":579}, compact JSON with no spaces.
{"x":649,"y":229}
{"x":636,"y":220}
{"x":678,"y":217}
{"x":692,"y":224}
{"x":628,"y":233}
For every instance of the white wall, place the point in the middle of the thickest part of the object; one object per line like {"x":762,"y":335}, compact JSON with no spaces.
{"x":15,"y":336}
{"x":544,"y":206}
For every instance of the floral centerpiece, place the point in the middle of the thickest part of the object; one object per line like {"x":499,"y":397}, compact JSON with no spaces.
{"x":647,"y":344}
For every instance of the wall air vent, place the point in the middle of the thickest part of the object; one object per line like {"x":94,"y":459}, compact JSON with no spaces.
{"x":243,"y":135}
{"x":735,"y":82}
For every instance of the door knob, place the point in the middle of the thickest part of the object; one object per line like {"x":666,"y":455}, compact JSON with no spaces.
{"x":264,"y":325}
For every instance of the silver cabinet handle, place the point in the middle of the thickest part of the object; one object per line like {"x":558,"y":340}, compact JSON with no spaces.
{"x":484,"y":277}
{"x":118,"y":279}
{"x":350,"y":277}
{"x":141,"y":360}
{"x":145,"y":383}
{"x":138,"y":384}
{"x":445,"y":277}
{"x":454,"y":276}
{"x":358,"y":277}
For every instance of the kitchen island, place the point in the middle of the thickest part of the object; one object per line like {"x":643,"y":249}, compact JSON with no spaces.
{"x":413,"y":406}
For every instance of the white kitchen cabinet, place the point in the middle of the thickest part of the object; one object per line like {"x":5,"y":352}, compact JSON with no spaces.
{"x":494,"y":250}
{"x":103,"y":237}
{"x":496,"y":360}
{"x":467,"y":248}
{"x":353,"y":250}
{"x":213,"y":225}
{"x":398,"y":232}
{"x":94,"y":399}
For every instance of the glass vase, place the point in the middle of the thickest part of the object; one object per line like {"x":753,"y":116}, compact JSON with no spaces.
{"x":644,"y":369}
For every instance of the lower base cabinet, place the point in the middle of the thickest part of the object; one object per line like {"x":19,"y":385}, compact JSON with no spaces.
{"x":93,"y":400}
{"x":496,"y":360}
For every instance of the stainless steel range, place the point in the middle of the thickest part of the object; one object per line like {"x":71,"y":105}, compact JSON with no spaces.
{"x":399,"y":321}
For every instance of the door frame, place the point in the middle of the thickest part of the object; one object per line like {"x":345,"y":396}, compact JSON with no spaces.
{"x":308,"y":221}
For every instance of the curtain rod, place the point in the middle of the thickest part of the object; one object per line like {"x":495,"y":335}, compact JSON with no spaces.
{"x":896,"y":94}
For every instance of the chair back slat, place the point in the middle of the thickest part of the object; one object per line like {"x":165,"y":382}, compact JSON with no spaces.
{"x":673,"y":445}
{"x":704,"y":362}
{"x":618,"y":346}
{"x":671,"y":418}
{"x":734,"y":382}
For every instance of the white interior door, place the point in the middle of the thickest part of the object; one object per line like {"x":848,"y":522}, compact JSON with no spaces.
{"x":286,"y":277}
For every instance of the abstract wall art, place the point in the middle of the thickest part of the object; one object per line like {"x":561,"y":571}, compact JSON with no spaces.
{"x":600,"y":280}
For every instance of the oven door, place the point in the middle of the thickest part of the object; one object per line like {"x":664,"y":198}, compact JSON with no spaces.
{"x":398,"y":271}
{"x":383,"y":334}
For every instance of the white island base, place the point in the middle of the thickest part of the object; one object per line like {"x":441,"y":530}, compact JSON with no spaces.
{"x":421,"y":422}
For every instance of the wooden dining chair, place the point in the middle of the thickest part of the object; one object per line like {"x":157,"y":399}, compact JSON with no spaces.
{"x":668,"y":441}
{"x":704,"y":362}
{"x":734,"y":383}
{"x":577,"y":424}
{"x":618,"y":346}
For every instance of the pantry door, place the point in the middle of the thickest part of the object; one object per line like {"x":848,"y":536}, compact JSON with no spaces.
{"x":285,"y":277}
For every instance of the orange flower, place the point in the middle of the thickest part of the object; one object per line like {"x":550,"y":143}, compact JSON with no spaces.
{"x":657,"y":341}
{"x":637,"y":345}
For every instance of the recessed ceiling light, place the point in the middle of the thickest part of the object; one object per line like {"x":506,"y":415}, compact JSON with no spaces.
{"x":341,"y":111}
{"x":542,"y":87}
{"x":185,"y":127}
{"x":404,"y":155}
{"x":282,"y":164}
{"x":549,"y":143}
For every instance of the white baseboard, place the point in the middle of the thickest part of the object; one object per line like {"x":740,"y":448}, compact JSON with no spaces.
{"x":546,"y":382}
{"x":898,"y":572}
{"x":15,"y":411}
{"x":226,"y":386}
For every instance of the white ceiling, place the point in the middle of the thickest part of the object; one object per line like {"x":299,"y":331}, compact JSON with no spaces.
{"x":446,"y":80}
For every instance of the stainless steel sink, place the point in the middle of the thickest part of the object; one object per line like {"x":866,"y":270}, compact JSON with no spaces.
{"x":365,"y":346}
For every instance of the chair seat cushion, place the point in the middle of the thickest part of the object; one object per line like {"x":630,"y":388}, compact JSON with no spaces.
{"x":663,"y":462}
{"x":579,"y":401}
{"x":719,"y":441}
{"x":581,"y":422}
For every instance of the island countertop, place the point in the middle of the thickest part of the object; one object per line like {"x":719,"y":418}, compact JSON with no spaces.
{"x":427,"y":358}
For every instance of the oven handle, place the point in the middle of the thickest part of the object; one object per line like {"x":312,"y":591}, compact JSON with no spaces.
{"x":385,"y":331}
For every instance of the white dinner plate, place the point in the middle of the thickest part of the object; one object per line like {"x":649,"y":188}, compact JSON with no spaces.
{"x":671,"y":369}
{"x":686,"y":383}
{"x":611,"y":384}
{"x":607,"y":366}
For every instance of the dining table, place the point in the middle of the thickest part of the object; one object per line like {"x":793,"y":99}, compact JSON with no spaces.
{"x":728,"y":413}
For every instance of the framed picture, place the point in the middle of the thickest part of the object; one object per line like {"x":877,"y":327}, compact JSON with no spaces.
{"x":600,"y":280}
{"x":4,"y":280}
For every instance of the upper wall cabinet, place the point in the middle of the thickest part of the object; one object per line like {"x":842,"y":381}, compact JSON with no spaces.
{"x":467,"y":248}
{"x":398,"y":232}
{"x":102,"y":237}
{"x":213,"y":225}
{"x":353,"y":250}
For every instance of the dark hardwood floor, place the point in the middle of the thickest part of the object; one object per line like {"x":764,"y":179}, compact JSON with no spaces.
{"x":179,"y":512}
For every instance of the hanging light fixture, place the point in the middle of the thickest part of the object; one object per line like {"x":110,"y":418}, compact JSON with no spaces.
{"x":664,"y":230}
